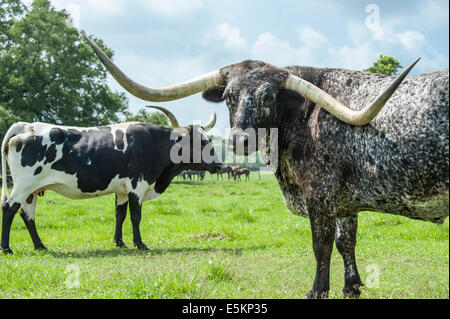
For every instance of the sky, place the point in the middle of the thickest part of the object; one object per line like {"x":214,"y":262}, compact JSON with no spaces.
{"x":160,"y":43}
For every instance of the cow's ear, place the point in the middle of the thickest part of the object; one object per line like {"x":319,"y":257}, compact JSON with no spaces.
{"x":214,"y":94}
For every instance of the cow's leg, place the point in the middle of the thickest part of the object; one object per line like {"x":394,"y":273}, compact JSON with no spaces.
{"x":345,"y":243}
{"x":27,"y":213}
{"x":323,"y":229}
{"x":121,"y":213}
{"x":9,"y":210}
{"x":135,"y":215}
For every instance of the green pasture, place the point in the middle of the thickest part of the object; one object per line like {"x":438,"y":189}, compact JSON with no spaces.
{"x":213,"y":239}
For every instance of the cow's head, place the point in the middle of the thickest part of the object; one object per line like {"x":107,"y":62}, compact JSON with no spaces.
{"x":250,"y":89}
{"x":193,"y":146}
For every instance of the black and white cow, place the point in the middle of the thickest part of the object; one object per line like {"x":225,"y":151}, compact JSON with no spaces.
{"x":135,"y":161}
{"x":333,"y":160}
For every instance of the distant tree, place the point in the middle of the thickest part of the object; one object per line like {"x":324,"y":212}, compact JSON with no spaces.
{"x":385,"y":65}
{"x":48,"y":72}
{"x":146,"y":116}
{"x":9,"y":11}
{"x":7,"y":118}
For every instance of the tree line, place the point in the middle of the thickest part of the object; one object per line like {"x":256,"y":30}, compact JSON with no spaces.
{"x":48,"y":73}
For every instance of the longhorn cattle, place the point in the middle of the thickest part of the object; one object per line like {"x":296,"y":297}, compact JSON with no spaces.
{"x":132,"y":160}
{"x":335,"y":160}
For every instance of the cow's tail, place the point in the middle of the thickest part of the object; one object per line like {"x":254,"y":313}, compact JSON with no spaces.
{"x":13,"y":130}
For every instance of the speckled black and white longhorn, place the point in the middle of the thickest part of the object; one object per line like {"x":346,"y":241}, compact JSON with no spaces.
{"x":343,"y":147}
{"x":132,"y":160}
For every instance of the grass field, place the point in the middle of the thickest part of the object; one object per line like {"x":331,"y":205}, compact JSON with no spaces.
{"x":213,"y":240}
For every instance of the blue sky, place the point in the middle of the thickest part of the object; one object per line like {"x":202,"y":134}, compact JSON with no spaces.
{"x":160,"y":43}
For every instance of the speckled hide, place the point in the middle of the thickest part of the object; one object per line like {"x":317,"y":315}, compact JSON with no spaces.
{"x":397,"y":164}
{"x":329,"y":170}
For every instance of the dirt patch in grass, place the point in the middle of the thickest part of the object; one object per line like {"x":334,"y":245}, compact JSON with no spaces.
{"x":216,"y":236}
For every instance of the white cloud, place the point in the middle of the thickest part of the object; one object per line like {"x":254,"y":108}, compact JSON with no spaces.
{"x":280,"y":52}
{"x":357,"y":57}
{"x":76,"y":9}
{"x":411,"y":39}
{"x":230,"y":37}
{"x":172,"y":7}
{"x":435,"y":13}
{"x":271,"y":49}
{"x":105,"y":6}
{"x":362,"y":49}
{"x":311,"y":37}
{"x":411,"y":42}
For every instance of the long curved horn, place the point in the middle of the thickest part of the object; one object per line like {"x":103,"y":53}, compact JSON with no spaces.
{"x":169,"y":93}
{"x":211,"y":122}
{"x":342,"y":112}
{"x":172,"y":118}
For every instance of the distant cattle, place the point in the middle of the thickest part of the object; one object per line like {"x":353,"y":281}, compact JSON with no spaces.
{"x":241,"y":171}
{"x":182,"y":175}
{"x":233,"y":169}
{"x":192,"y":175}
{"x":225,"y":170}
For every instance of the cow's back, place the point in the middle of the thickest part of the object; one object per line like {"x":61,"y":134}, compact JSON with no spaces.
{"x":83,"y":162}
{"x":399,"y":162}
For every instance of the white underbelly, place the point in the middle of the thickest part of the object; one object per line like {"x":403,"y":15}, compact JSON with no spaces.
{"x":75,"y":193}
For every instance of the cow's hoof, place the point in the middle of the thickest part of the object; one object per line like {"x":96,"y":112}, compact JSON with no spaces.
{"x":40,"y":247}
{"x":313,"y":294}
{"x":7,"y":251}
{"x":141,"y":246}
{"x":120,"y":244}
{"x":351,"y":292}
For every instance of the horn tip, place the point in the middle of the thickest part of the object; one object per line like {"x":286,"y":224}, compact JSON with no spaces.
{"x":414,"y":63}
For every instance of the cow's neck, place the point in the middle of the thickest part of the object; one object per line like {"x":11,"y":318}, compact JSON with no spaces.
{"x":167,"y":175}
{"x":170,"y":169}
{"x":296,"y":121}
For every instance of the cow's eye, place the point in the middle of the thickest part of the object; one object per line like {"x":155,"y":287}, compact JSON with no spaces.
{"x":268,"y":101}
